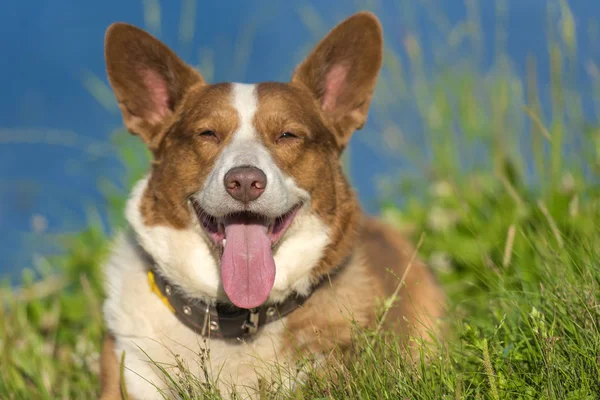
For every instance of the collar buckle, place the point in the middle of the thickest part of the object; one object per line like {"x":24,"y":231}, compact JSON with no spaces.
{"x":251,"y":324}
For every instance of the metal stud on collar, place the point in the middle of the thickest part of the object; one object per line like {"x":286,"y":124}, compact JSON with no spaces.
{"x":214,"y":326}
{"x":168,"y":290}
{"x":271,"y":311}
{"x":187,"y":310}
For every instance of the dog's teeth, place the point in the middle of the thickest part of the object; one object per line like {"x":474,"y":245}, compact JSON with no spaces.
{"x":224,"y":241}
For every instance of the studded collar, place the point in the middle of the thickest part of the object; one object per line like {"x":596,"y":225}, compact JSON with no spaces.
{"x":221,"y":320}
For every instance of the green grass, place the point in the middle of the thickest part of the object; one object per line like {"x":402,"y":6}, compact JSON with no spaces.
{"x":508,"y":216}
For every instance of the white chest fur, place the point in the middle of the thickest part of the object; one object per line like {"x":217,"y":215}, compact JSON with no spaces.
{"x":146,"y":330}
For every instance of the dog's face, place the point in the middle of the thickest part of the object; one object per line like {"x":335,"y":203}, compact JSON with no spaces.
{"x":246,"y":199}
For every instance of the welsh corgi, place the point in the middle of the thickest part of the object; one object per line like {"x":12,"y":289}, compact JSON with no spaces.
{"x":245,"y":239}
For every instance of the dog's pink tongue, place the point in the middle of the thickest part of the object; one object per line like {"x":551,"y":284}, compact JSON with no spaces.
{"x":247,"y":265}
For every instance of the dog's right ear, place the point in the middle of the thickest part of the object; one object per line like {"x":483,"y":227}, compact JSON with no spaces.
{"x":148,"y":79}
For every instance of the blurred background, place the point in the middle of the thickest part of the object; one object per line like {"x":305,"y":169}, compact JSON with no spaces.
{"x":467,"y":86}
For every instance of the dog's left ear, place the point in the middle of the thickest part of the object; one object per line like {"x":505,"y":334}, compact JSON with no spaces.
{"x":341,"y":73}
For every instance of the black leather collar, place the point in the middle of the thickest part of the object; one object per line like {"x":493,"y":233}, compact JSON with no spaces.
{"x":223,"y":320}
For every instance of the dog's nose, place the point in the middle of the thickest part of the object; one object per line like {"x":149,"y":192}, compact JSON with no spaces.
{"x":245,"y":183}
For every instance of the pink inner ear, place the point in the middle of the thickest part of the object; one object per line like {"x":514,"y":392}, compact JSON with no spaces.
{"x":334,"y":84}
{"x":158,"y":94}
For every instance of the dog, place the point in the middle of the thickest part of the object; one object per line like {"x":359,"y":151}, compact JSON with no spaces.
{"x":245,"y":238}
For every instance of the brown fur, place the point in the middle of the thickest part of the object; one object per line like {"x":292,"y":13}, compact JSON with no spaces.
{"x":381,"y":258}
{"x":315,"y":154}
{"x":109,"y":370}
{"x":421,"y":300}
{"x":186,"y":158}
{"x":168,"y":104}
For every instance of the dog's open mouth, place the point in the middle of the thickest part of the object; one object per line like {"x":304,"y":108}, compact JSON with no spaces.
{"x":247,"y":240}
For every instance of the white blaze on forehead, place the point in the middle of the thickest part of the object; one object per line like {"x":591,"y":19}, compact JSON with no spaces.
{"x":245,"y":102}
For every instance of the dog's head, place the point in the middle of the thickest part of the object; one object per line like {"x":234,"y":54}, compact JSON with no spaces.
{"x":246,"y":199}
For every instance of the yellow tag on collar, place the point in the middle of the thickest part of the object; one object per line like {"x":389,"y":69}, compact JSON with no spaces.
{"x":154,"y":288}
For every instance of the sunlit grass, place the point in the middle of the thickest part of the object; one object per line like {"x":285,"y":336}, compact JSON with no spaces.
{"x":501,"y":181}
